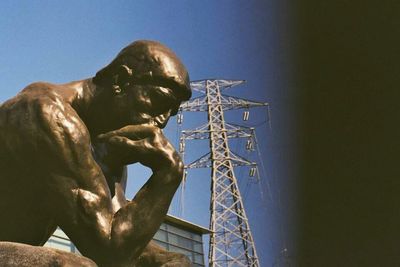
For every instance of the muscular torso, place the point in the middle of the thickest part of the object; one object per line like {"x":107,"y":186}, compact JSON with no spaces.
{"x":40,"y":140}
{"x":52,"y":173}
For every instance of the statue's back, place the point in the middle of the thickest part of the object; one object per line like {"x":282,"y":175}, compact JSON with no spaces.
{"x":25,"y":215}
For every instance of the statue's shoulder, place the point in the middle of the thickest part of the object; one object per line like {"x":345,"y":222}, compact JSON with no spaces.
{"x":35,"y":102}
{"x":37,"y":94}
{"x":40,"y":89}
{"x":39,"y":113}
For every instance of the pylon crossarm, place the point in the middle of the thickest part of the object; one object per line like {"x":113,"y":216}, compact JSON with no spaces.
{"x":235,"y":127}
{"x":198,"y":86}
{"x":239,"y":160}
{"x":204,"y":134}
{"x":231,"y":102}
{"x":225,"y":84}
{"x":195,"y":104}
{"x":202,"y":162}
{"x":235,"y":131}
{"x":201,"y":132}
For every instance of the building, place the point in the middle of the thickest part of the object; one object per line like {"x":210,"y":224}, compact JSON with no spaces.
{"x":181,"y":236}
{"x":60,"y":240}
{"x":175,"y":235}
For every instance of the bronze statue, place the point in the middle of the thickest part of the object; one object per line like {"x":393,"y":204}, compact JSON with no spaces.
{"x":64,"y":151}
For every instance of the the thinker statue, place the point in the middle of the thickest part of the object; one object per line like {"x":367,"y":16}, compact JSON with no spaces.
{"x":64,"y":151}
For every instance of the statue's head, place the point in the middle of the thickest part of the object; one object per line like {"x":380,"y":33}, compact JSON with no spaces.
{"x":148,"y":83}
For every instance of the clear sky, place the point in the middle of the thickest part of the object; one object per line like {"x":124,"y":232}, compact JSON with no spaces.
{"x":60,"y":41}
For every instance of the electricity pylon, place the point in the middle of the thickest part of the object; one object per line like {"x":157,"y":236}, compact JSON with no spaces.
{"x":231,"y":241}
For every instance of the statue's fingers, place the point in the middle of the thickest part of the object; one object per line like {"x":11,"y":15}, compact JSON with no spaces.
{"x":129,"y":146}
{"x":138,"y":131}
{"x":133,"y":132}
{"x":129,"y":151}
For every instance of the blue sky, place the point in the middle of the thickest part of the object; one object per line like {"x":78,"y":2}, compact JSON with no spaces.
{"x":60,"y":41}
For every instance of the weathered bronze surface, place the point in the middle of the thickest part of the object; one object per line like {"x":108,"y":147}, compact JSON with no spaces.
{"x":64,"y":151}
{"x":20,"y":255}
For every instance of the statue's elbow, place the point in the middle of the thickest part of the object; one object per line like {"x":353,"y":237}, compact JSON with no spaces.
{"x":173,"y":174}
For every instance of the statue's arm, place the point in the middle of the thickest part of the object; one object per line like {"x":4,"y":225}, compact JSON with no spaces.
{"x":145,"y":144}
{"x":83,"y":201}
{"x":79,"y":194}
{"x":152,"y":255}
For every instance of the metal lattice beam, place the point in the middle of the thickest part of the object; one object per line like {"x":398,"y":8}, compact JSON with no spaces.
{"x":231,"y":241}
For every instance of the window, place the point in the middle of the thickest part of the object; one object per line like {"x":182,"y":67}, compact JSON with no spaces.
{"x":180,"y":241}
{"x":198,"y":258}
{"x":178,"y":231}
{"x":60,"y":243}
{"x":183,"y":251}
{"x":163,"y":226}
{"x":198,"y":247}
{"x":161,"y":235}
{"x":197,"y":237}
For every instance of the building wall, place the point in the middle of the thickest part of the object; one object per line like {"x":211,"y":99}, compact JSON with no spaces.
{"x":183,"y":241}
{"x":60,"y":240}
{"x":171,"y":237}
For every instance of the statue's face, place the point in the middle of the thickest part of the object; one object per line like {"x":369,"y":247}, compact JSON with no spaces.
{"x":152,"y":103}
{"x":153,"y":84}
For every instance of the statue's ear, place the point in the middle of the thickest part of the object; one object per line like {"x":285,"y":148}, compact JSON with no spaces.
{"x":122,"y":78}
{"x":123,"y":75}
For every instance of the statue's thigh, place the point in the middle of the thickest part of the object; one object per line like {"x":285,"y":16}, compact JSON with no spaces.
{"x":25,"y":220}
{"x":156,"y":256}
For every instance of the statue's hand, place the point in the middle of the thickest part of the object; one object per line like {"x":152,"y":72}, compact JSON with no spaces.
{"x":141,"y":143}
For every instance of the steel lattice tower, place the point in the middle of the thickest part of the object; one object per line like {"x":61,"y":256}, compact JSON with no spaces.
{"x":231,"y":241}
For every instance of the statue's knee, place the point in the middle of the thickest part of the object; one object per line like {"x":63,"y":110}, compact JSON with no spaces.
{"x":184,"y":260}
{"x":177,"y":260}
{"x":163,"y":258}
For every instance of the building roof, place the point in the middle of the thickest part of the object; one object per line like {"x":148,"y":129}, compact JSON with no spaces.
{"x":188,"y":225}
